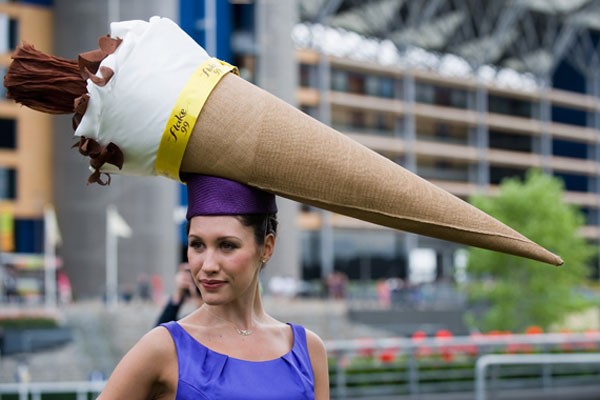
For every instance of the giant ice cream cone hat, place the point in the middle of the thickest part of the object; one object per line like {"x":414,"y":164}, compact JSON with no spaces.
{"x":152,"y":102}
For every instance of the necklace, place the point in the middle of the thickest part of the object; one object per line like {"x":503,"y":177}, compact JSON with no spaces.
{"x":243,"y":332}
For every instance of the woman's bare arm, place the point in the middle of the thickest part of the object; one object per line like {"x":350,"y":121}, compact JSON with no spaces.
{"x":318,"y":359}
{"x":147,"y":371}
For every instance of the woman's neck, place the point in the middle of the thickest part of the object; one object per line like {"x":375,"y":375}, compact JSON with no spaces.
{"x":244,"y":312}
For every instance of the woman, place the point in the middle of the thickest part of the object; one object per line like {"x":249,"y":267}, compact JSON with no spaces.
{"x":229,"y":348}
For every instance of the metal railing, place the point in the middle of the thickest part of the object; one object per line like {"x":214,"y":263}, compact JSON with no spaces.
{"x":84,"y":390}
{"x":528,"y":359}
{"x":369,"y":368}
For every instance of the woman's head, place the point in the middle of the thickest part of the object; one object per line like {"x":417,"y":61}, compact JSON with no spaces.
{"x":224,"y":257}
{"x":231,"y":234}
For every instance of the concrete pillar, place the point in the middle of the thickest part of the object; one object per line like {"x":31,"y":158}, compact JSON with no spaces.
{"x":146,"y":204}
{"x":277,"y":72}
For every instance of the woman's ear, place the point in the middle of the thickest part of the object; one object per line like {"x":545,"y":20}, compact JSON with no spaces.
{"x":268,"y":247}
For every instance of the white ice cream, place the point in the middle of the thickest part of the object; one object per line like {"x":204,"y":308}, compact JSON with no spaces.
{"x":150,"y":66}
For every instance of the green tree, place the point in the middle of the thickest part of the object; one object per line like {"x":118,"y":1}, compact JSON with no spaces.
{"x":517,"y":292}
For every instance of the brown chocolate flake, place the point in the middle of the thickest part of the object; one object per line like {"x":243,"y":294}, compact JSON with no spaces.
{"x":43,"y":82}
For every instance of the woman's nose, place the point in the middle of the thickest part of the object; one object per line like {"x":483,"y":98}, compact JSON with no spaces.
{"x":209,"y":262}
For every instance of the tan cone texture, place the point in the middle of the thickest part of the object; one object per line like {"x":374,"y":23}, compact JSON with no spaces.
{"x":246,"y":134}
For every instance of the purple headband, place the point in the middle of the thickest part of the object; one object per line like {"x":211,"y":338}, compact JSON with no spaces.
{"x":209,"y":195}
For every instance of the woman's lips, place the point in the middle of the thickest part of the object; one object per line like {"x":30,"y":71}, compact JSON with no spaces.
{"x":211,"y":284}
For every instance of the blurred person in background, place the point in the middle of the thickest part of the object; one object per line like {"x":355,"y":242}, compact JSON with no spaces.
{"x":186,"y":291}
{"x":229,"y":348}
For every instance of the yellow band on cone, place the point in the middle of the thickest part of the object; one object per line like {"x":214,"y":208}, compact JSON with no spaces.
{"x":189,"y":103}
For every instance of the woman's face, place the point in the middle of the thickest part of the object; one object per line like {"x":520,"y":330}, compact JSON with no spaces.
{"x":224,"y":258}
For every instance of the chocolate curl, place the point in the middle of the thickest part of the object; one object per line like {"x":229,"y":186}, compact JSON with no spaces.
{"x":99,"y":155}
{"x":89,"y":62}
{"x":43,"y":82}
{"x":79,"y":109}
{"x":110,"y":154}
{"x":108,"y":45}
{"x":96,"y":177}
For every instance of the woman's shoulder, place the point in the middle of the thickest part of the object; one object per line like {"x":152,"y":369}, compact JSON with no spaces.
{"x":157,"y":342}
{"x":314,"y":341}
{"x":318,"y":360}
{"x":150,"y":365}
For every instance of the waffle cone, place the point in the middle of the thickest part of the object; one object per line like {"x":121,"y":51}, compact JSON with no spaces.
{"x":245,"y":134}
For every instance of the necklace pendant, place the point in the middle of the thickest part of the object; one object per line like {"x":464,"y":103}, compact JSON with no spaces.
{"x":245,"y":332}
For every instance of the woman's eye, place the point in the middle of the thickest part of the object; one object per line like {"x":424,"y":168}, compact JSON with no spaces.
{"x":195,"y":244}
{"x":228,"y":246}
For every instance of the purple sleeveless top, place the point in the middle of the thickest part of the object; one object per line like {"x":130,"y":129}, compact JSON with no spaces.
{"x":205,"y":374}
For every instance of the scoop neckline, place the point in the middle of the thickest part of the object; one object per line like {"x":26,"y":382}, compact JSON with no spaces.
{"x":286,"y":354}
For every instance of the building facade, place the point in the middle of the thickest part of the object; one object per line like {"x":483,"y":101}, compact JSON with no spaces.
{"x":25,"y":160}
{"x":429,"y":123}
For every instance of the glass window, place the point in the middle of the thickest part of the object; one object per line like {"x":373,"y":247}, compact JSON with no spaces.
{"x":4,"y":35}
{"x":439,"y":95}
{"x":424,"y":93}
{"x":567,"y":148}
{"x":497,"y":174}
{"x":356,"y":83}
{"x":372,"y":85}
{"x":243,"y":16}
{"x":358,"y":119}
{"x":571,"y":116}
{"x":2,"y":88}
{"x":458,"y":98}
{"x":359,"y":254}
{"x":9,"y":33}
{"x":310,"y":248}
{"x":8,"y":133}
{"x":8,"y":183}
{"x":509,"y":141}
{"x":387,"y":88}
{"x":367,"y":255}
{"x":573,"y":182}
{"x":339,"y":80}
{"x":306,"y":75}
{"x":508,"y":106}
{"x":384,"y":124}
{"x":29,"y":236}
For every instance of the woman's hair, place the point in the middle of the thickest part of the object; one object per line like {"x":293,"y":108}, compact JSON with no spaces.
{"x":261,"y":224}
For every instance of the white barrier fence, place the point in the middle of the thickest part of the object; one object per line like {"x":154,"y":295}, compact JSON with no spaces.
{"x":35,"y":390}
{"x":484,"y":362}
{"x":368,"y":368}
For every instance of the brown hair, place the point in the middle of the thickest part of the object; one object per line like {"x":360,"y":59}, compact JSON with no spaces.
{"x":261,"y":224}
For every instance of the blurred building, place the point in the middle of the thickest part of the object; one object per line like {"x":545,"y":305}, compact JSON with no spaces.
{"x":25,"y":172}
{"x":462,"y":93}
